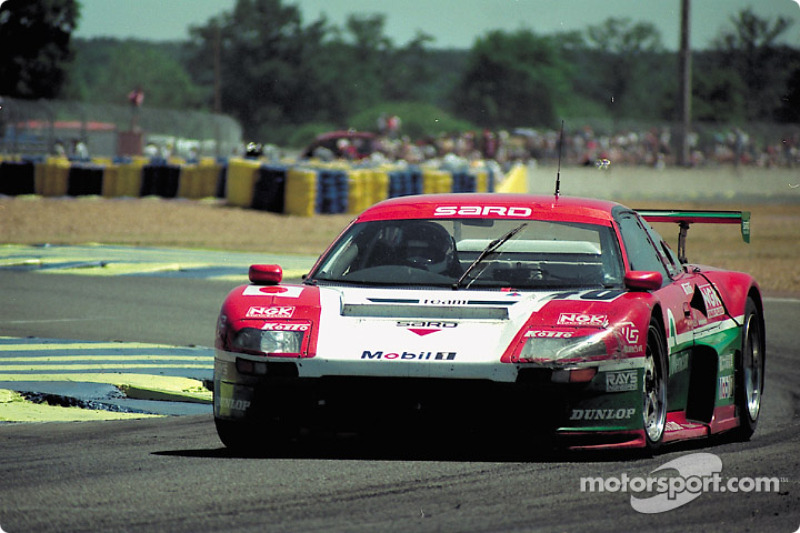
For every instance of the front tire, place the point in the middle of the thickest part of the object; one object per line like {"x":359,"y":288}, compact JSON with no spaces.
{"x":236,"y":435}
{"x":654,"y":388}
{"x":750,"y":372}
{"x":254,"y":436}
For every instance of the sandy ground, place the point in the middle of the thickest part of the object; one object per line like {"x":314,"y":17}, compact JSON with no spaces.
{"x":772,"y":256}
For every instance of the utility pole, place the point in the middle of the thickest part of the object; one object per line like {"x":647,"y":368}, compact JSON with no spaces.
{"x":685,"y":87}
{"x":217,"y":85}
{"x":217,"y":69}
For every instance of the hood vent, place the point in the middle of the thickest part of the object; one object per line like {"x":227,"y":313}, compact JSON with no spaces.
{"x":425,"y":311}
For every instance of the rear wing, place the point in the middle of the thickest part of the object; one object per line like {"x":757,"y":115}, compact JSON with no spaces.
{"x":686,"y":218}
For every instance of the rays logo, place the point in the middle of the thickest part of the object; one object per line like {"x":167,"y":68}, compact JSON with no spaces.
{"x":621,"y":381}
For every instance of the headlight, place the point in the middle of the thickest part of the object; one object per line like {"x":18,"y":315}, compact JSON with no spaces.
{"x":268,"y":342}
{"x":569,"y":349}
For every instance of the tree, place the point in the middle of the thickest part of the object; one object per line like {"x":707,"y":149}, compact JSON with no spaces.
{"x":411,"y":73}
{"x":718,"y":96}
{"x":351,"y":67}
{"x":106,"y":70}
{"x":35,"y":44}
{"x":512,"y":80}
{"x":263,"y":48}
{"x":627,"y":50}
{"x":789,"y":111}
{"x":750,"y":48}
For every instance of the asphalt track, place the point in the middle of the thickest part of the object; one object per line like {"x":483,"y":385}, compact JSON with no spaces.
{"x":152,"y":312}
{"x":172,"y":474}
{"x":135,"y":374}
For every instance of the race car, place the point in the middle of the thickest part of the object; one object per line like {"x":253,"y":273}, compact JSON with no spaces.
{"x":564,"y":318}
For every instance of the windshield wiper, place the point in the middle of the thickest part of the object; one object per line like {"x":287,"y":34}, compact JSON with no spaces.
{"x":491,"y":248}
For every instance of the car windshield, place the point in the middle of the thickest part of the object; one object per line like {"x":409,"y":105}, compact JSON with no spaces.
{"x":473,"y":253}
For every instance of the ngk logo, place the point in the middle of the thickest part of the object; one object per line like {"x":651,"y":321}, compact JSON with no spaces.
{"x":258,"y":311}
{"x":714,"y":306}
{"x":582,"y":319}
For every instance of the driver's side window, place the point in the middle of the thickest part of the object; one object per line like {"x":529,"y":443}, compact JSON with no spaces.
{"x":642,"y":254}
{"x":384,"y":247}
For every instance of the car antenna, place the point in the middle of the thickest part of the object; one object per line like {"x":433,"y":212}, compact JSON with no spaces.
{"x":560,"y":146}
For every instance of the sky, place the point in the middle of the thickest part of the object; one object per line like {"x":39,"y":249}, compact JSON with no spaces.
{"x":453,"y":23}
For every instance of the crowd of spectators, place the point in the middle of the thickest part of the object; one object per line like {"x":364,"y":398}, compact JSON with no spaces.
{"x":654,"y":147}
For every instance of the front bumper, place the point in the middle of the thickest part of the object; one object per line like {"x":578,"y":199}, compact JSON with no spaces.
{"x":531,"y":403}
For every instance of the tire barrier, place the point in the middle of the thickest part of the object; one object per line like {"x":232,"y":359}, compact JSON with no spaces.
{"x":124,"y":178}
{"x":17,"y":177}
{"x":405,"y":182}
{"x":435,"y":181}
{"x":294,"y":188}
{"x":52,"y":177}
{"x":464,"y":181}
{"x":85,"y":179}
{"x":200,"y":180}
{"x":301,"y":192}
{"x":160,"y":179}
{"x":241,"y":180}
{"x":269,"y":189}
{"x":332,"y":192}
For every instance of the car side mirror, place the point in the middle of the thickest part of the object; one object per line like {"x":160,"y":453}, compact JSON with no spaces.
{"x":639,"y":280}
{"x":265,"y":274}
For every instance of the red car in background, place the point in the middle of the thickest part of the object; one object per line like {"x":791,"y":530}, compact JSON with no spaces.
{"x":344,"y":144}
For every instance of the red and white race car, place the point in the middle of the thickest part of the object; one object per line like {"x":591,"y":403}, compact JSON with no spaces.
{"x":547,"y":315}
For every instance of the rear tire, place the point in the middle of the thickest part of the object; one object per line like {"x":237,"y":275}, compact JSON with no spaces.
{"x":654,"y":388}
{"x":750,"y":372}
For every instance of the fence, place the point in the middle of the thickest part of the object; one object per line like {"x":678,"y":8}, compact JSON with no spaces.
{"x":42,"y":127}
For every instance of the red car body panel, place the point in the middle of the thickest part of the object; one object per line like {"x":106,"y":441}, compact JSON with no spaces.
{"x":698,"y":310}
